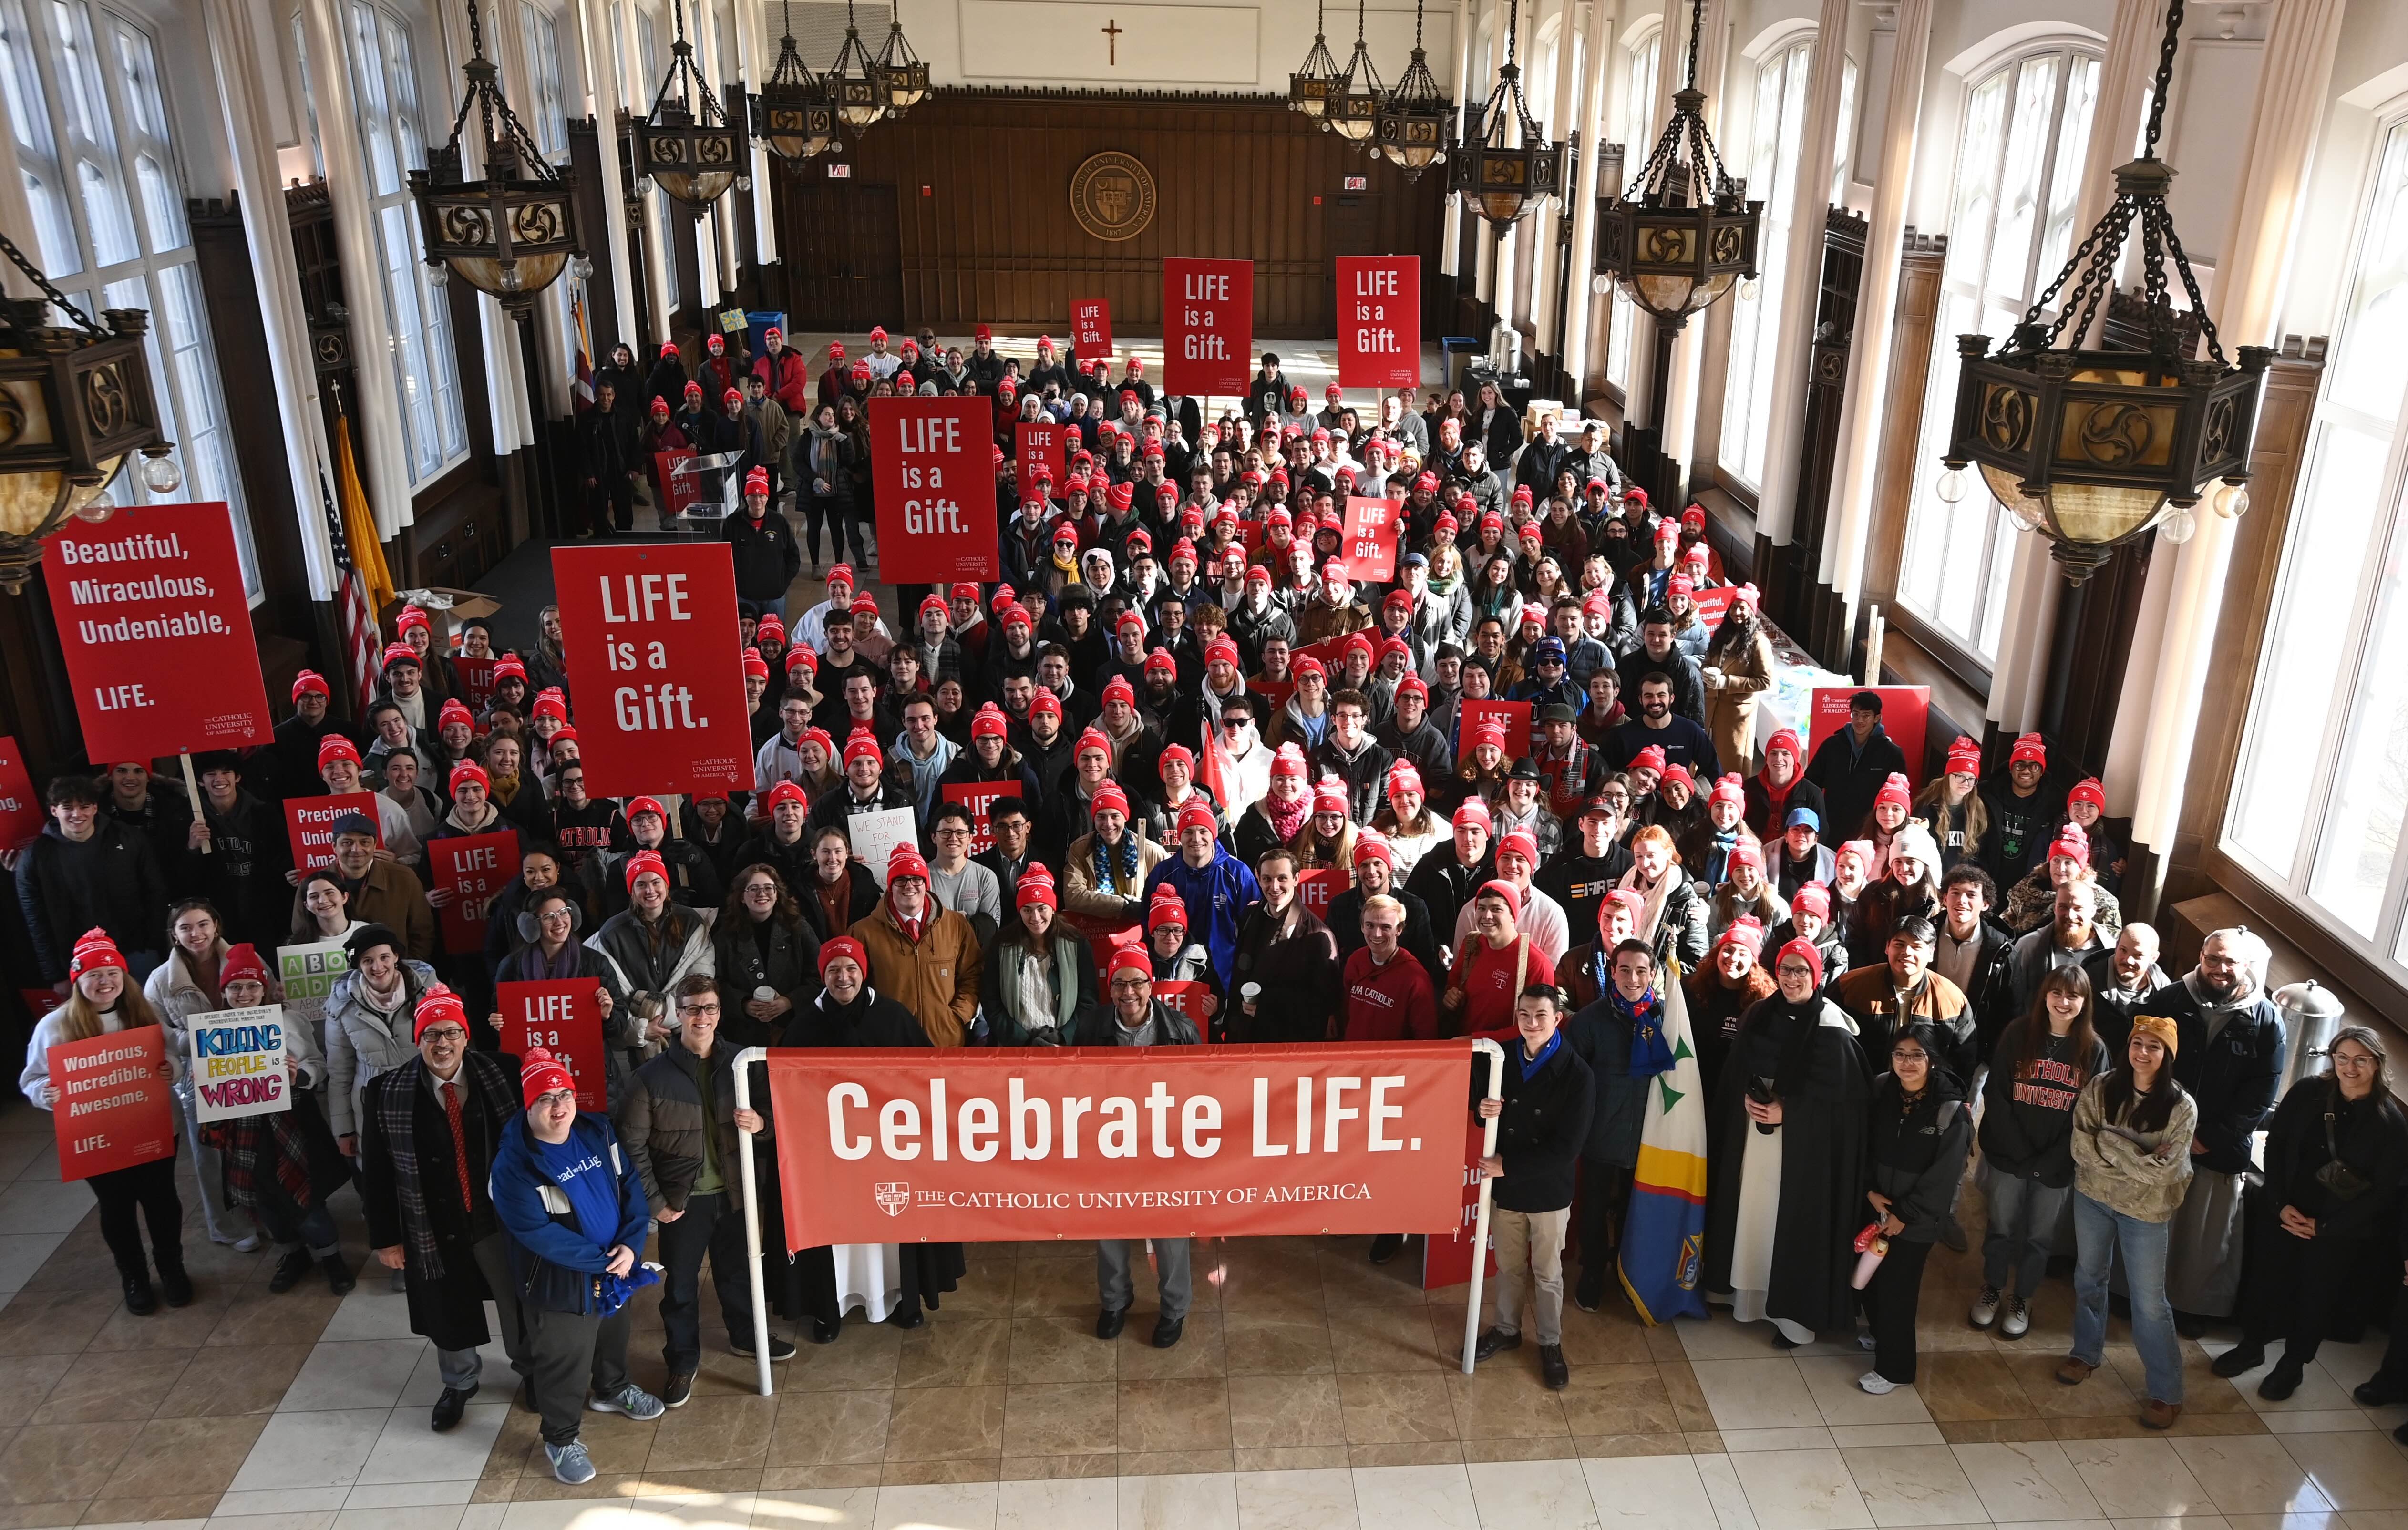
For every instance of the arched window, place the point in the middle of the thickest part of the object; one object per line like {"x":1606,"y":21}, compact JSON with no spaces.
{"x":384,"y":88}
{"x":2026,"y":126}
{"x":90,"y":116}
{"x":2321,"y":787}
{"x":1777,"y":139}
{"x":1637,"y":131}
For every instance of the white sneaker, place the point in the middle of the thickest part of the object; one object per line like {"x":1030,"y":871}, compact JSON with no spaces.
{"x":1876,"y":1384}
{"x":2018,"y":1319}
{"x":1985,"y":1307}
{"x":1866,"y":1343}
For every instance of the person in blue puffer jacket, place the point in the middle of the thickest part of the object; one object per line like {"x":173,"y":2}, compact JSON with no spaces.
{"x":576,"y":1212}
{"x":1215,"y":886}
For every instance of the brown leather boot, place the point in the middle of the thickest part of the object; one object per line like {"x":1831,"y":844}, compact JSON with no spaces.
{"x":2075,"y":1372}
{"x":2158,"y":1415}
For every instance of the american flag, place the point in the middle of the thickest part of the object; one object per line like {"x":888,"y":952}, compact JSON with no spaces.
{"x":355,"y":602}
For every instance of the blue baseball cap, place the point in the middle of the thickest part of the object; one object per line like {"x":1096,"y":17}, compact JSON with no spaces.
{"x":1807,"y":816}
{"x":1547,"y":651}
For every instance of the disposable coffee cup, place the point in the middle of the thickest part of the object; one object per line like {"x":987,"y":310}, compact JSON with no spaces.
{"x":765,"y":992}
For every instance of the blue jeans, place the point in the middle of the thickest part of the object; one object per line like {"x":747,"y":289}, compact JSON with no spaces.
{"x":2100,"y":1234}
{"x":2023,"y":1223}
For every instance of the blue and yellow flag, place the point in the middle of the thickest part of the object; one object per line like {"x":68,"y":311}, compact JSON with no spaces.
{"x":1664,"y":1234}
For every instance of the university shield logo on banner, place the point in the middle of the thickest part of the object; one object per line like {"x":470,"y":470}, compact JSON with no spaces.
{"x":894,"y":1197}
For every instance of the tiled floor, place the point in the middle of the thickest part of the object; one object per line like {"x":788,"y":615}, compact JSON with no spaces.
{"x":1313,"y":1390}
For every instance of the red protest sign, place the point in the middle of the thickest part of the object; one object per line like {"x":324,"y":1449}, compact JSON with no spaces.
{"x":564,"y":1018}
{"x":112,"y":1112}
{"x":650,"y":632}
{"x":309,"y":825}
{"x":146,"y":602}
{"x":1039,"y":443}
{"x":1274,"y":692}
{"x":932,"y":459}
{"x":1906,"y":716}
{"x":1091,"y":326}
{"x":1515,"y":715}
{"x":1317,"y":888}
{"x":21,"y":811}
{"x":1715,"y":604}
{"x":1373,"y":529}
{"x":979,"y":796}
{"x":476,"y":678}
{"x":1446,"y":1257}
{"x":1181,"y":994}
{"x":1208,"y":325}
{"x":1379,"y":321}
{"x":680,"y":491}
{"x":473,"y":868}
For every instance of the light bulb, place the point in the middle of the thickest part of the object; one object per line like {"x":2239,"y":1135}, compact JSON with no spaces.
{"x":97,"y":511}
{"x":2178,"y":525}
{"x":2231,"y":500}
{"x":1747,"y":289}
{"x":2028,"y":514}
{"x":580,"y":269}
{"x":160,"y":475}
{"x":438,"y":275}
{"x":1951,"y":487}
{"x":743,"y":183}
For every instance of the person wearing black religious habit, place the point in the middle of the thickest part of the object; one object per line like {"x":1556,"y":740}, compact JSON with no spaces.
{"x":1785,"y":1156}
{"x":2230,"y":1062}
{"x":850,"y":1013}
{"x":428,"y":1131}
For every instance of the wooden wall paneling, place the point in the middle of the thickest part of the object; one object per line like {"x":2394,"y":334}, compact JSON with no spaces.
{"x":1917,"y":312}
{"x":2090,"y":644}
{"x":601,"y":287}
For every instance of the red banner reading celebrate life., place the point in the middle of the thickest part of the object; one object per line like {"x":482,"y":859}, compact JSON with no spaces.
{"x":1091,"y":327}
{"x":1207,"y":326}
{"x":933,"y":464}
{"x":155,"y":628}
{"x":650,"y":632}
{"x":886,"y":1146}
{"x":1379,"y":321}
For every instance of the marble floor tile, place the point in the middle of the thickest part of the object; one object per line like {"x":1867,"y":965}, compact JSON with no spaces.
{"x":1801,"y":1490}
{"x":946,"y":1423}
{"x":1415,"y":1498}
{"x":363,"y":1373}
{"x":1268,"y":1412}
{"x":2139,"y":1479}
{"x":1190,"y":1501}
{"x":827,"y":1428}
{"x":1296,"y":1500}
{"x":1174,"y":1416}
{"x":2250,"y":1474}
{"x":812,"y":1508}
{"x":1397,"y":1407}
{"x":1086,"y":1503}
{"x":2353,"y":1471}
{"x":941,"y":1506}
{"x":1648,"y":1492}
{"x":22,"y":1254}
{"x":1761,"y":1394}
{"x":1059,"y":1418}
{"x":1533,"y":1493}
{"x":1913,"y":1484}
{"x":1274,"y":1346}
{"x":2027,"y":1481}
{"x":312,"y":1449}
{"x":1831,"y":1380}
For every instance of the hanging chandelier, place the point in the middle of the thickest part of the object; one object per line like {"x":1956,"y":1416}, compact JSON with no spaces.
{"x":1506,"y":164}
{"x":851,"y":81}
{"x":1352,"y":109}
{"x":695,"y":156}
{"x":514,"y":233}
{"x":1309,"y":88}
{"x":900,"y":73}
{"x":791,"y":112}
{"x":76,"y":402}
{"x":1410,"y":129}
{"x":1684,"y":232}
{"x":2093,"y":448}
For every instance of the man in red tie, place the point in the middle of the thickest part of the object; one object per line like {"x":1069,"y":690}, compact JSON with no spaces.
{"x":428,"y":1131}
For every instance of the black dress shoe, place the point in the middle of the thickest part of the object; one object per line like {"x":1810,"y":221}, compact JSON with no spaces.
{"x":2281,"y":1382}
{"x":779,"y":1349}
{"x":1781,"y":1340}
{"x":450,"y":1405}
{"x":289,"y":1271}
{"x":2190,"y":1325}
{"x":2375,"y":1393}
{"x":338,"y":1275}
{"x":174,"y":1286}
{"x":2240,"y":1357}
{"x":2400,"y":1433}
{"x":1496,"y":1341}
{"x":824,"y":1330}
{"x":905,"y":1321}
{"x":1386,"y":1247}
{"x":1110,"y":1321}
{"x":1551,"y":1368}
{"x":1166,"y":1331}
{"x":140,"y":1299}
{"x":1589,"y":1294}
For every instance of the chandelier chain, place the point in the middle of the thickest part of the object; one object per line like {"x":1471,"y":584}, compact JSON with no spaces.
{"x":58,"y":299}
{"x":1696,"y":30}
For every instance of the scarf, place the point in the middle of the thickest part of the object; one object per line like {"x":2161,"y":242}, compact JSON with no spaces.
{"x":1655,"y":896}
{"x":1532,"y":1064}
{"x":273,"y":1142}
{"x":1286,"y":818}
{"x":1650,"y":1055}
{"x":1107,"y":879}
{"x":1778,"y":796}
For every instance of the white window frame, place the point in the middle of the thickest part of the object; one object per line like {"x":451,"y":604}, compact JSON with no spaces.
{"x":124,"y":137}
{"x":2348,"y":596}
{"x":1641,"y":64}
{"x":1977,"y":531}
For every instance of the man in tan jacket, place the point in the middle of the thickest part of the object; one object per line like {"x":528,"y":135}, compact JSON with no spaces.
{"x":922,"y":955}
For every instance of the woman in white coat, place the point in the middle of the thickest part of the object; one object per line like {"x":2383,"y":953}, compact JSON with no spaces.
{"x":186,"y":984}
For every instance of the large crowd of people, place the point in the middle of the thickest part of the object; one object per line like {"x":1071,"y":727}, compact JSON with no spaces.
{"x":1224,"y":761}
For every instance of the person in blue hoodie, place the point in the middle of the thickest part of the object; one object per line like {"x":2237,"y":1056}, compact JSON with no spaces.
{"x":577,"y":1214}
{"x":1215,"y":886}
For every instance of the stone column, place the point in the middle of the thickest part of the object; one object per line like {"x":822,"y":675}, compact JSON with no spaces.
{"x":1450,"y":249}
{"x":1548,"y":225}
{"x":2292,"y":89}
{"x":1869,"y":356}
{"x":1680,"y":420}
{"x":753,"y":61}
{"x":384,"y":466}
{"x":607,"y":244}
{"x":1802,"y":285}
{"x":1597,"y":51}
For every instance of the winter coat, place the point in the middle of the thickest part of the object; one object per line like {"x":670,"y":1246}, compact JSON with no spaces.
{"x":1744,"y":671}
{"x":1075,"y":994}
{"x":2027,"y":1123}
{"x":361,"y":1043}
{"x":638,"y":966}
{"x":1915,"y":1153}
{"x":768,"y":559}
{"x":111,"y":881}
{"x":1541,"y":1129}
{"x":661,"y":1125}
{"x":791,"y":966}
{"x":2372,"y":1137}
{"x":1216,"y":894}
{"x":1095,"y":905}
{"x":937,"y":979}
{"x":1851,"y":777}
{"x":2232,"y":1076}
{"x":1299,"y":970}
{"x":2124,"y":1175}
{"x":556,"y":1264}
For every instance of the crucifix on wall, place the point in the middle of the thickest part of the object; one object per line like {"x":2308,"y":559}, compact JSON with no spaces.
{"x":1112,"y":31}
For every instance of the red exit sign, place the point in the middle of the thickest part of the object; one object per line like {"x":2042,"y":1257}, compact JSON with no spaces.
{"x":1358,"y":183}
{"x":840,"y":172}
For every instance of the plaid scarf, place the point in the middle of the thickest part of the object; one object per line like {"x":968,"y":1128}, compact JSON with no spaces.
{"x":393,"y":1096}
{"x":247,"y":1140}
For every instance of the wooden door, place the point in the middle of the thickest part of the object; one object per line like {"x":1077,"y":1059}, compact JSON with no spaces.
{"x":843,"y":255}
{"x":1350,"y":225}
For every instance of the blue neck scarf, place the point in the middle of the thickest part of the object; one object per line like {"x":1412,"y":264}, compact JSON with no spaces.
{"x":1532,"y":1064}
{"x":1650,"y":1053}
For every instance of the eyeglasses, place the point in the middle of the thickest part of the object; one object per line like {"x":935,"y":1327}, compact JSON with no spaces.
{"x":1123,"y":985}
{"x":558,"y":916}
{"x":699,"y":1011}
{"x":443,"y":1033}
{"x":952,"y":831}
